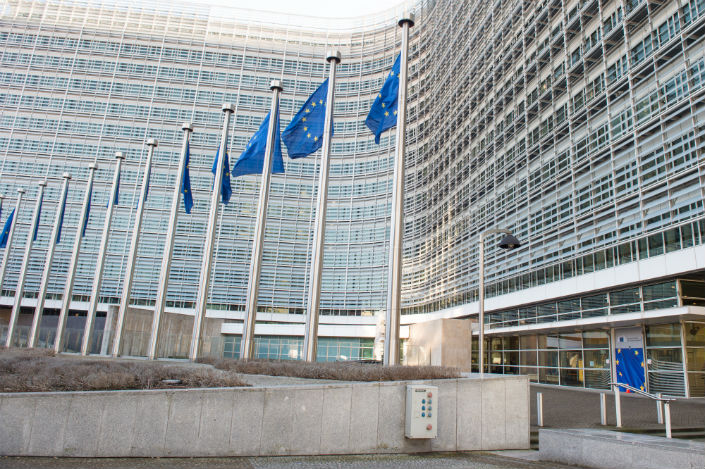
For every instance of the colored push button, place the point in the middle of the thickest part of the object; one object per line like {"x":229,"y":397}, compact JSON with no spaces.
{"x":423,"y":401}
{"x":429,"y":427}
{"x":429,"y":407}
{"x":423,"y":407}
{"x":429,"y":401}
{"x":430,"y":394}
{"x":423,"y":414}
{"x":429,"y":415}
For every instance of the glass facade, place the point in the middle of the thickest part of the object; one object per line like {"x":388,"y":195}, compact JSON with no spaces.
{"x":291,"y":348}
{"x":577,"y":125}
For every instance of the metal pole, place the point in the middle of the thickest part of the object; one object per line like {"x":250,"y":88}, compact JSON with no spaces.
{"x":207,"y":264}
{"x":39,"y":309}
{"x":248,"y":332}
{"x":6,"y":256}
{"x":132,"y":256}
{"x":71,"y":275}
{"x":539,"y":409}
{"x":100,"y":266}
{"x":314,"y":287}
{"x":481,"y":303}
{"x":659,"y":408}
{"x":396,"y":234}
{"x":603,"y":408}
{"x":617,"y":406}
{"x":16,"y":308}
{"x":168,"y":249}
{"x":667,"y":413}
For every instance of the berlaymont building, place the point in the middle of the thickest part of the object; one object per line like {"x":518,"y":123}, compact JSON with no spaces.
{"x":579,"y":125}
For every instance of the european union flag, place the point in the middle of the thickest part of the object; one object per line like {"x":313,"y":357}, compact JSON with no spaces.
{"x":61,"y":221}
{"x":88,"y":213}
{"x":225,"y":189}
{"x":6,"y":229}
{"x":39,"y":216}
{"x":252,"y":159}
{"x":186,"y":183}
{"x":383,"y":114}
{"x":304,"y":134}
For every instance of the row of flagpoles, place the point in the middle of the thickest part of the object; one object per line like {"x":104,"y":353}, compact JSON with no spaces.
{"x":310,"y":129}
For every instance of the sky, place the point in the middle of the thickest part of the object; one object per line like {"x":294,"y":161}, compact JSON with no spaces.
{"x":320,"y":8}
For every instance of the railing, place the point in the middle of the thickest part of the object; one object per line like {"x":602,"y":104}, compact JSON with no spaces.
{"x":663,"y":405}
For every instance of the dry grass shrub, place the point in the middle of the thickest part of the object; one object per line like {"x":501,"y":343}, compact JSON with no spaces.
{"x":343,"y":371}
{"x":35,"y":370}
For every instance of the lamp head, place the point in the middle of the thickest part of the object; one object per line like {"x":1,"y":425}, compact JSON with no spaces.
{"x":509,"y":242}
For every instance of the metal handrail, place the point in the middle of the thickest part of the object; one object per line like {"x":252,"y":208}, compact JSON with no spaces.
{"x":642,"y":393}
{"x":663,"y":406}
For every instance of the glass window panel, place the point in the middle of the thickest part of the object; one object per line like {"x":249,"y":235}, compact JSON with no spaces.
{"x":622,"y":297}
{"x":694,"y":334}
{"x":571,"y":377}
{"x":595,"y":339}
{"x":663,"y":335}
{"x":692,"y":289}
{"x":527,"y":342}
{"x":571,"y":358}
{"x":548,"y":358}
{"x":659,"y":291}
{"x":570,"y":341}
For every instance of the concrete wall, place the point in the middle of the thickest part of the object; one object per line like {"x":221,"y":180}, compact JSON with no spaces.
{"x":442,"y":342}
{"x":342,"y":418}
{"x":608,"y":449}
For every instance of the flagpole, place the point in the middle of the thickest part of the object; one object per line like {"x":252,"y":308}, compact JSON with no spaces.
{"x":6,"y":256}
{"x":71,"y":275}
{"x":168,"y":249}
{"x":396,"y":235}
{"x":39,"y":309}
{"x":314,"y":286}
{"x":134,"y":244}
{"x":248,"y":333}
{"x":207,"y":264}
{"x":25,"y":266}
{"x":100,"y":266}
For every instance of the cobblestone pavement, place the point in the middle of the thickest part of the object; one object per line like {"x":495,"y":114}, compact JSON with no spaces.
{"x":580,"y":408}
{"x":475,"y":460}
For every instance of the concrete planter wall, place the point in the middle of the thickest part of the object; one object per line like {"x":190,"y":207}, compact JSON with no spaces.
{"x":342,"y":418}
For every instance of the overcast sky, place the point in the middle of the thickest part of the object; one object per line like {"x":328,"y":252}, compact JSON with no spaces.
{"x":324,"y":8}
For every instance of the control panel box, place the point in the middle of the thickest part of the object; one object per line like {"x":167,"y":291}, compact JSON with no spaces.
{"x":421,"y":411}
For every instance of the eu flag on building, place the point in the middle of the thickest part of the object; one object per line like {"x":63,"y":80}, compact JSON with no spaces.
{"x":304,"y":134}
{"x":88,"y":214}
{"x":225,"y":189}
{"x":252,"y":159}
{"x":383,"y":114}
{"x":61,"y":221}
{"x":117,"y":192}
{"x":629,"y":365}
{"x":186,"y":183}
{"x":6,"y":229}
{"x":39,"y":216}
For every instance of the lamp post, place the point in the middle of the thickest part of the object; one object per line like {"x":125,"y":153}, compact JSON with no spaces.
{"x":508,"y":242}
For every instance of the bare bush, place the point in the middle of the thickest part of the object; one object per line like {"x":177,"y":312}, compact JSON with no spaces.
{"x":35,"y":370}
{"x":342,"y":371}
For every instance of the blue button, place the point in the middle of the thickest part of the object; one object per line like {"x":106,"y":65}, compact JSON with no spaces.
{"x":423,"y":414}
{"x":429,"y":401}
{"x":429,"y":414}
{"x":423,"y":407}
{"x":429,"y":407}
{"x":423,"y":401}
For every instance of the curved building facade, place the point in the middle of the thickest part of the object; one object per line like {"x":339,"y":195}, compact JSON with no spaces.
{"x":577,"y":125}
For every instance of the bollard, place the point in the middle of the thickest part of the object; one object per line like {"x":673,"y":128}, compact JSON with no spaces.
{"x":659,"y":408}
{"x":603,"y":408}
{"x":539,"y":409}
{"x":617,"y":407}
{"x":667,"y":412}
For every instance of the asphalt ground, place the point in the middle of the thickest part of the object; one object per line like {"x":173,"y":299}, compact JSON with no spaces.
{"x":474,"y":460}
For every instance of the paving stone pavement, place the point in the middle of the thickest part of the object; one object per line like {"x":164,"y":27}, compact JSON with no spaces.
{"x":475,"y":460}
{"x":580,"y":408}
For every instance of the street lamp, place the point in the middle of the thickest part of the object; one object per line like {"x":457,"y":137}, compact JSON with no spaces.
{"x":508,"y":242}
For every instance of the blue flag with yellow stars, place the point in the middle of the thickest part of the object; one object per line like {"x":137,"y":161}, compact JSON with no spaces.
{"x":186,"y":183}
{"x":88,"y":213}
{"x":6,"y":229}
{"x":225,"y":188}
{"x":383,"y":114}
{"x":304,"y":134}
{"x":252,"y":159}
{"x":61,"y":220}
{"x":39,"y":216}
{"x":629,"y":365}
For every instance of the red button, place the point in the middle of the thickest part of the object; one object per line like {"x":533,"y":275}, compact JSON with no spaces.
{"x":430,"y":394}
{"x":429,"y":426}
